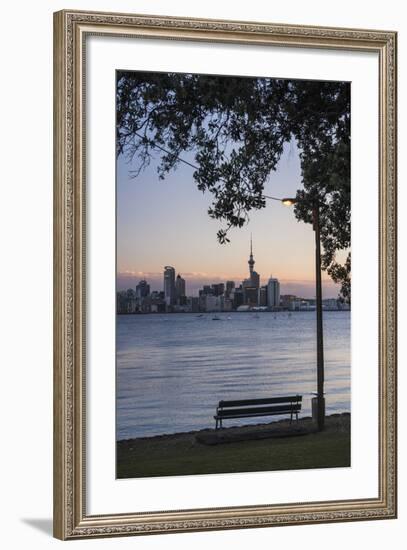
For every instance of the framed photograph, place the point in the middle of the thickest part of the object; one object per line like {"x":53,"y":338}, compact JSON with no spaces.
{"x":219,"y":363}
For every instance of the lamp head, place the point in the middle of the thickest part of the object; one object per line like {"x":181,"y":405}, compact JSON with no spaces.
{"x":288,"y":201}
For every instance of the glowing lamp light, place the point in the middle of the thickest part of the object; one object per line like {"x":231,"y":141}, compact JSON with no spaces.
{"x":288,"y":202}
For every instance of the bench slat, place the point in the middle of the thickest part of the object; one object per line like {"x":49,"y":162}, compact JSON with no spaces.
{"x":254,"y":415}
{"x":264,"y":401}
{"x":279,"y":409}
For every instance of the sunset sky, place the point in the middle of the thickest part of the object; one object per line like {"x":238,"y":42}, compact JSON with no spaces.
{"x":163,"y":223}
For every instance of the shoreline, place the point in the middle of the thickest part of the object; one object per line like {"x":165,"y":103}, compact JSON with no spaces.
{"x":242,"y":429}
{"x":249,"y":448}
{"x":233,"y":311}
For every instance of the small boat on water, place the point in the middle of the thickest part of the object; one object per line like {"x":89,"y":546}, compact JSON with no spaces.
{"x":216,"y":318}
{"x":200,"y":315}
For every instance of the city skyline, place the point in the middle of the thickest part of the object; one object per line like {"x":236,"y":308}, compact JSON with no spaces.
{"x":166,"y":223}
{"x":249,"y":294}
{"x":195,"y":281}
{"x":172,"y":278}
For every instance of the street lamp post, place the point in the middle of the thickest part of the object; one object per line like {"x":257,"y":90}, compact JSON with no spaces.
{"x":318,"y":296}
{"x":320,"y":337}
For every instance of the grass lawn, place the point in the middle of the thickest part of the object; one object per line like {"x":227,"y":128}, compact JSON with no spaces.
{"x":182,"y":454}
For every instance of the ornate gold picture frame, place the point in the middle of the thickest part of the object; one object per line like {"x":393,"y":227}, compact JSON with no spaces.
{"x":71,"y":517}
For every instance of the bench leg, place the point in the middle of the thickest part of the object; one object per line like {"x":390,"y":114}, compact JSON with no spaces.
{"x":216,"y":426}
{"x":291,"y":417}
{"x":296,"y":414}
{"x":221,"y":426}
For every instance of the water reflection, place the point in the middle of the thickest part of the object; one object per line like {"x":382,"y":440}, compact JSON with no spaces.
{"x":173,"y":369}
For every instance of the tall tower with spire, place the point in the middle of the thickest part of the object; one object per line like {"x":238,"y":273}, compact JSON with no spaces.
{"x":251,"y":286}
{"x":251,"y":261}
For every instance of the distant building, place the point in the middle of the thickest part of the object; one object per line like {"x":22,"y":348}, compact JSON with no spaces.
{"x":238,"y":297}
{"x":121,"y":302}
{"x":255,"y":280}
{"x":251,"y":285}
{"x":301,"y":305}
{"x":207,"y":289}
{"x":142,"y":289}
{"x":227,"y":304}
{"x":273,"y":293}
{"x":330,"y":304}
{"x":218,"y":289}
{"x":179,"y":289}
{"x":263,"y":296}
{"x":254,"y":276}
{"x":246,"y":283}
{"x":213,"y":303}
{"x":169,"y":285}
{"x":251,"y":261}
{"x":251,"y":296}
{"x":156,"y":302}
{"x":295,"y":305}
{"x":286,"y":299}
{"x":193,"y":304}
{"x":127,"y":301}
{"x":230,"y":286}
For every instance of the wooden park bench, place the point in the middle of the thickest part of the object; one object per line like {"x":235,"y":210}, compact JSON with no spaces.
{"x":249,"y":408}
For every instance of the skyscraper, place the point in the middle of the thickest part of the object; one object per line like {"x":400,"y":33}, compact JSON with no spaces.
{"x":273,"y":292}
{"x":142,"y":289}
{"x":169,"y":285}
{"x":230,"y":287}
{"x":179,"y":287}
{"x":263,"y":296}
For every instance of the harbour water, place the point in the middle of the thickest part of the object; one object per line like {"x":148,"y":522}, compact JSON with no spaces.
{"x":172,"y":369}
